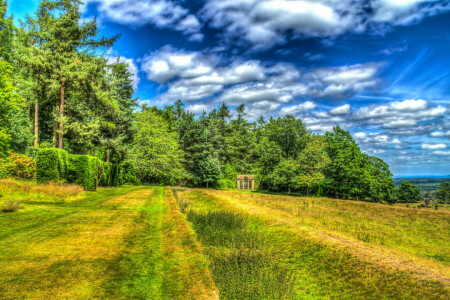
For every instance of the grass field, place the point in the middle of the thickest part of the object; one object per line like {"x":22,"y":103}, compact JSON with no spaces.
{"x":152,"y":242}
{"x":121,"y":243}
{"x":278,"y":247}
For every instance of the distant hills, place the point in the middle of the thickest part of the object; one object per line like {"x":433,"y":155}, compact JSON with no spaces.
{"x":422,"y":176}
{"x":427,"y":183}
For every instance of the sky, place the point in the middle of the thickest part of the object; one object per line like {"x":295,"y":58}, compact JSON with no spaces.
{"x":378,"y":68}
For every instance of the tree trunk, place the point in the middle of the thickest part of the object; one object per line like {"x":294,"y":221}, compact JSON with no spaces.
{"x":61,"y":113}
{"x":36,"y":124}
{"x":307,"y":192}
{"x":95,"y":152}
{"x":207,"y":184}
{"x":108,"y":152}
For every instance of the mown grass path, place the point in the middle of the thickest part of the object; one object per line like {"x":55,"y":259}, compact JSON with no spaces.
{"x":110,"y":244}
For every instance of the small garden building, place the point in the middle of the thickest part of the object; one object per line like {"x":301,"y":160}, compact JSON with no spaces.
{"x":245,"y":182}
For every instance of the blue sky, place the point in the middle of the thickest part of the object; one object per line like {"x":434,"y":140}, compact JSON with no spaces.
{"x":379,"y":68}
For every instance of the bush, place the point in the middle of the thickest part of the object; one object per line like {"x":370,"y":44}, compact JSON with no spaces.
{"x":84,"y":170}
{"x":106,"y":174}
{"x":51,"y":165}
{"x":9,"y":205}
{"x":18,"y":166}
{"x":128,"y":174}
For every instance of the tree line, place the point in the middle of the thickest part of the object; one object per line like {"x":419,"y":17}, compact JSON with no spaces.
{"x":59,"y":89}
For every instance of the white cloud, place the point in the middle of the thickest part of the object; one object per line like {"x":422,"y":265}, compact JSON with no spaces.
{"x":264,"y":23}
{"x":191,"y":75}
{"x":442,"y":153}
{"x":341,"y":110}
{"x":198,"y":108}
{"x":433,"y":146}
{"x":296,"y":109}
{"x":438,"y":134}
{"x":160,"y":13}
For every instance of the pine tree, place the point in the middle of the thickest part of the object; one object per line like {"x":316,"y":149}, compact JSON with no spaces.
{"x":66,"y":44}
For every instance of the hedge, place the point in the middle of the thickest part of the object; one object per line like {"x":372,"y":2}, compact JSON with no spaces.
{"x":84,"y":170}
{"x":51,"y":165}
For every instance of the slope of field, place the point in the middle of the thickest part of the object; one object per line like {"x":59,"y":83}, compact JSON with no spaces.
{"x":121,"y":243}
{"x":278,"y":247}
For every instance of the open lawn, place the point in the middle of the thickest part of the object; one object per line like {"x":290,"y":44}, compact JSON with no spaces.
{"x":279,"y":247}
{"x":121,"y":243}
{"x":151,"y":242}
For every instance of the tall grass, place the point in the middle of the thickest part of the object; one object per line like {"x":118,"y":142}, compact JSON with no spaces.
{"x":31,"y":191}
{"x":264,"y":247}
{"x":243,"y":264}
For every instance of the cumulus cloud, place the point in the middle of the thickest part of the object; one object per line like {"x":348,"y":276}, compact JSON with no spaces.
{"x":160,"y":13}
{"x":442,"y":153}
{"x":433,"y":146}
{"x":264,"y":23}
{"x":341,"y":110}
{"x":194,"y":75}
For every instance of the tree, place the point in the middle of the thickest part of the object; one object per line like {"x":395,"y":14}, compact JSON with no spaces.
{"x":289,"y":133}
{"x":312,"y":161}
{"x":154,"y":155}
{"x":347,"y":175}
{"x":408,"y":192}
{"x":6,"y":33}
{"x":66,"y":44}
{"x":382,"y":187}
{"x":443,"y":194}
{"x":10,"y":104}
{"x":209,"y":170}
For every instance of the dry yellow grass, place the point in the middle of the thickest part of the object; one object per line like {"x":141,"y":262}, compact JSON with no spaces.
{"x":48,"y":192}
{"x":341,"y":223}
{"x":362,"y":249}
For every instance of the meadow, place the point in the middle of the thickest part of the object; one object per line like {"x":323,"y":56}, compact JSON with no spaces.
{"x":153,"y":242}
{"x":279,"y":247}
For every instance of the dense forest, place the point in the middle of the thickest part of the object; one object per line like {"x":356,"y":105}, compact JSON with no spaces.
{"x":58,"y":88}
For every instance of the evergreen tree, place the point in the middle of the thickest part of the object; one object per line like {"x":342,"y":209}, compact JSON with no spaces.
{"x":67,"y":44}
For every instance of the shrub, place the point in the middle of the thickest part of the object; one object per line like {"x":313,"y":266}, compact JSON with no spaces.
{"x":84,"y":170}
{"x":51,"y":165}
{"x":9,"y":205}
{"x":18,"y":166}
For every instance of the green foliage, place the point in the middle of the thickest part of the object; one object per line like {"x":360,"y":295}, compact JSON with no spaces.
{"x":5,"y":140}
{"x":209,"y":171}
{"x":51,"y":165}
{"x":110,"y":174}
{"x":17,"y":166}
{"x":443,"y":194}
{"x":85,"y":170}
{"x":155,"y":156}
{"x":229,"y":177}
{"x":408,"y":192}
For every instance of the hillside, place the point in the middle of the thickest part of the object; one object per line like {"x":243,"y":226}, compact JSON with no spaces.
{"x":426,"y":184}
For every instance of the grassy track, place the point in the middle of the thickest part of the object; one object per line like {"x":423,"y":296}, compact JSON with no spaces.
{"x":109,"y":244}
{"x":277,"y":247}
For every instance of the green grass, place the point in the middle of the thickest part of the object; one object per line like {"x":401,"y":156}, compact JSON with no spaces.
{"x":107,"y":244}
{"x":278,"y":247}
